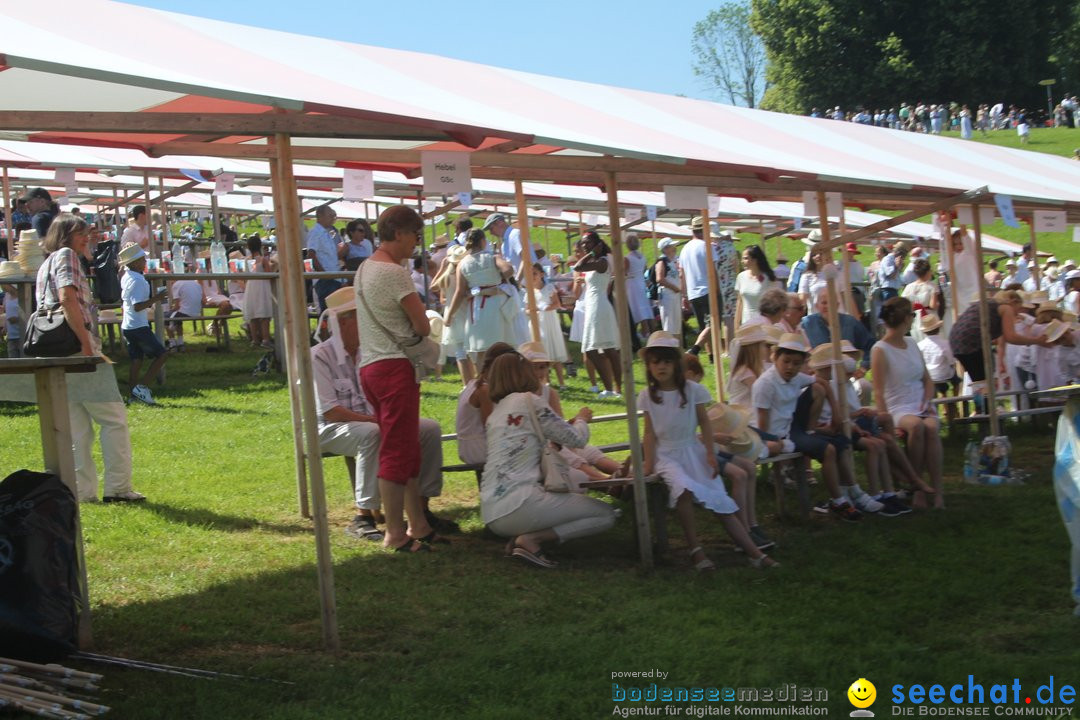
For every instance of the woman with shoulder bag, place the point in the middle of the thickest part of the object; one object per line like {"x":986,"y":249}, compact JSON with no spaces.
{"x":389,"y":312}
{"x":513,"y":501}
{"x":91,"y":396}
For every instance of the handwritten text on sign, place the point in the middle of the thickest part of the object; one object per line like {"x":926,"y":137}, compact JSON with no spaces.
{"x":446,"y":172}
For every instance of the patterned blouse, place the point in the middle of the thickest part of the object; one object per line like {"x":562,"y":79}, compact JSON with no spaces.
{"x":64,"y":269}
{"x":966,"y":335}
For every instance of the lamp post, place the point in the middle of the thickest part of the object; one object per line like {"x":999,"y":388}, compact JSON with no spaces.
{"x":1049,"y":99}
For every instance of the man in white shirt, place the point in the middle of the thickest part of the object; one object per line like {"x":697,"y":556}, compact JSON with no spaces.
{"x":908,"y":276}
{"x":347,"y":427}
{"x":694,"y":267}
{"x":1023,"y":265}
{"x":889,"y":271}
{"x":511,"y":249}
{"x":325,"y":249}
{"x":1011,"y":275}
{"x":136,"y":233}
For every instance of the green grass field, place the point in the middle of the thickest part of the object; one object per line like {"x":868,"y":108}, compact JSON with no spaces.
{"x":216,"y":571}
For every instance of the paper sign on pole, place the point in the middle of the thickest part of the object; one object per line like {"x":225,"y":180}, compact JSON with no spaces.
{"x":358,"y":184}
{"x":464,"y":199}
{"x":650,"y":212}
{"x":256,"y":199}
{"x":834,"y":204}
{"x":632,"y":215}
{"x":446,"y":173}
{"x":1049,"y":221}
{"x":553,"y":212}
{"x":1005,"y":209}
{"x":714,"y":206}
{"x":686,"y":197}
{"x":592,"y":220}
{"x":428,"y":205}
{"x":987,"y":216}
{"x":964,"y":216}
{"x":223,"y":183}
{"x":66,"y":176}
{"x":798,"y":223}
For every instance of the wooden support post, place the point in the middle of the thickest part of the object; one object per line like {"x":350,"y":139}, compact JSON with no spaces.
{"x":286,"y":319}
{"x":298,"y":345}
{"x":835,"y":336}
{"x":9,"y":207}
{"x":215,"y":222}
{"x":525,"y":272}
{"x":156,"y":248}
{"x":984,"y":325}
{"x":846,"y":293}
{"x":950,"y":259}
{"x":716,"y":323}
{"x":622,"y":313}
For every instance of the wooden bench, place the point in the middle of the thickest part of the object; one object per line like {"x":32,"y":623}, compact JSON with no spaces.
{"x":983,"y":419}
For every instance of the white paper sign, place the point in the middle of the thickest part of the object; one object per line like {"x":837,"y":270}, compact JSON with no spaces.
{"x":834,"y":204}
{"x":464,"y":199}
{"x":650,"y":212}
{"x":553,"y":212}
{"x":256,"y":199}
{"x":714,"y":206}
{"x":446,"y":173}
{"x":1005,"y":209}
{"x":65,"y":175}
{"x":686,"y":197}
{"x":964,"y":216}
{"x":223,"y":183}
{"x":1049,"y":221}
{"x":592,"y":220}
{"x":987,"y":216}
{"x":358,"y":184}
{"x":632,"y":215}
{"x":798,"y":223}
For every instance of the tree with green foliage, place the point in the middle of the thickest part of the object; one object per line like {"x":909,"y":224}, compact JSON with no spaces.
{"x":729,"y":55}
{"x":851,"y":53}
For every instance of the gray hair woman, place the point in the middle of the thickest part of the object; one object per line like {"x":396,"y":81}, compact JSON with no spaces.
{"x":92,"y":397}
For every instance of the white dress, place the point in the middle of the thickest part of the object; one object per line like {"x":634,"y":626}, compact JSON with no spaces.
{"x":671,"y":303}
{"x":601,"y":331}
{"x":550,"y":327}
{"x":453,"y":336}
{"x":637,"y":296}
{"x":921,"y":293}
{"x":750,"y":288}
{"x":680,"y":456}
{"x":258,"y":300}
{"x":485,"y":322}
{"x":904,"y":381}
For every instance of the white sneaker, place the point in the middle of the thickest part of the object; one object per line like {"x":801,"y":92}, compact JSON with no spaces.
{"x":142,"y":394}
{"x":862,"y":501}
{"x":604,"y":394}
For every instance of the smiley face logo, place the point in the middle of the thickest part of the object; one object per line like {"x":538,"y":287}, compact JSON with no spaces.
{"x":862,"y":693}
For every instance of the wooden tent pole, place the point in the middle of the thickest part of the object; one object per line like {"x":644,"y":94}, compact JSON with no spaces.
{"x":950,"y":256}
{"x":526,"y":260}
{"x":846,"y":293}
{"x":215,"y":223}
{"x":9,"y":207}
{"x":159,"y":308}
{"x":622,"y":311}
{"x":288,"y":358}
{"x":835,"y":335}
{"x":716,"y":323}
{"x":984,"y":326}
{"x":298,"y":344}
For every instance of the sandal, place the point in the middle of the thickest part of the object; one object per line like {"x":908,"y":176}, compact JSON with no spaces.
{"x":705,"y":563}
{"x":412,"y":546}
{"x":763,"y":563}
{"x":432,"y":539}
{"x":363,"y":527}
{"x":538,"y":558}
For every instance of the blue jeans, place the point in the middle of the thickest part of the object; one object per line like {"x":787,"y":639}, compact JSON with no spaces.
{"x":324,"y":288}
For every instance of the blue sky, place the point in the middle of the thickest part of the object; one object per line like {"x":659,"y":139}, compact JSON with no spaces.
{"x":629,"y":43}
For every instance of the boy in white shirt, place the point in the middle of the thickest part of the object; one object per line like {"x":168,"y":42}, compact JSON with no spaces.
{"x":187,"y":302}
{"x":775,"y":396}
{"x":939,"y":360}
{"x":141,"y":341}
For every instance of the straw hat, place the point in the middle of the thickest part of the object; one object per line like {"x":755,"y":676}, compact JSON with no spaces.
{"x":929,"y":322}
{"x":750,"y":333}
{"x":1047,"y":307}
{"x":341,"y":300}
{"x":130,"y":253}
{"x":698,"y":223}
{"x":1052,"y":260}
{"x":10,"y":269}
{"x":435,"y":321}
{"x":813,"y":238}
{"x":534,"y":352}
{"x":1010,"y":262}
{"x":1068,"y":263}
{"x":454,"y":254}
{"x":848,"y":349}
{"x":1055,"y":329}
{"x":901,"y":247}
{"x":734,"y":421}
{"x":1039,"y":297}
{"x":665,"y":243}
{"x":1069,"y":317}
{"x":661,"y":339}
{"x":822,"y":356}
{"x":772,"y":334}
{"x":441,"y":241}
{"x":793,"y":341}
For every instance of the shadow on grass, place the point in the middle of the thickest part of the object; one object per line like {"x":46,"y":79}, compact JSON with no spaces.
{"x":208,"y":519}
{"x":13,"y":409}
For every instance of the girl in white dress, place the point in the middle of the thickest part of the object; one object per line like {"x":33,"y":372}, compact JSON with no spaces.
{"x":903,"y":389}
{"x":637,"y":296}
{"x":667,"y":277}
{"x":921,"y":292}
{"x":749,"y":363}
{"x":753,"y":282}
{"x":674,"y":408}
{"x":454,"y":339}
{"x":547,"y":305}
{"x":600,"y":336}
{"x":577,"y":324}
{"x":479,"y":277}
{"x":258,"y":300}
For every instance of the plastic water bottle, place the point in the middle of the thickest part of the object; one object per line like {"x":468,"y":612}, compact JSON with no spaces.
{"x":177,"y":257}
{"x":219,"y":262}
{"x":971,"y":462}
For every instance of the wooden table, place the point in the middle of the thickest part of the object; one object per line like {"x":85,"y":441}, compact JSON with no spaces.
{"x":51,"y":386}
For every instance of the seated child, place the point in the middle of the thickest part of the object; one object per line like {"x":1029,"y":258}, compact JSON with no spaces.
{"x":938,"y":357}
{"x":749,"y":363}
{"x":775,"y":396}
{"x":474,"y":406}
